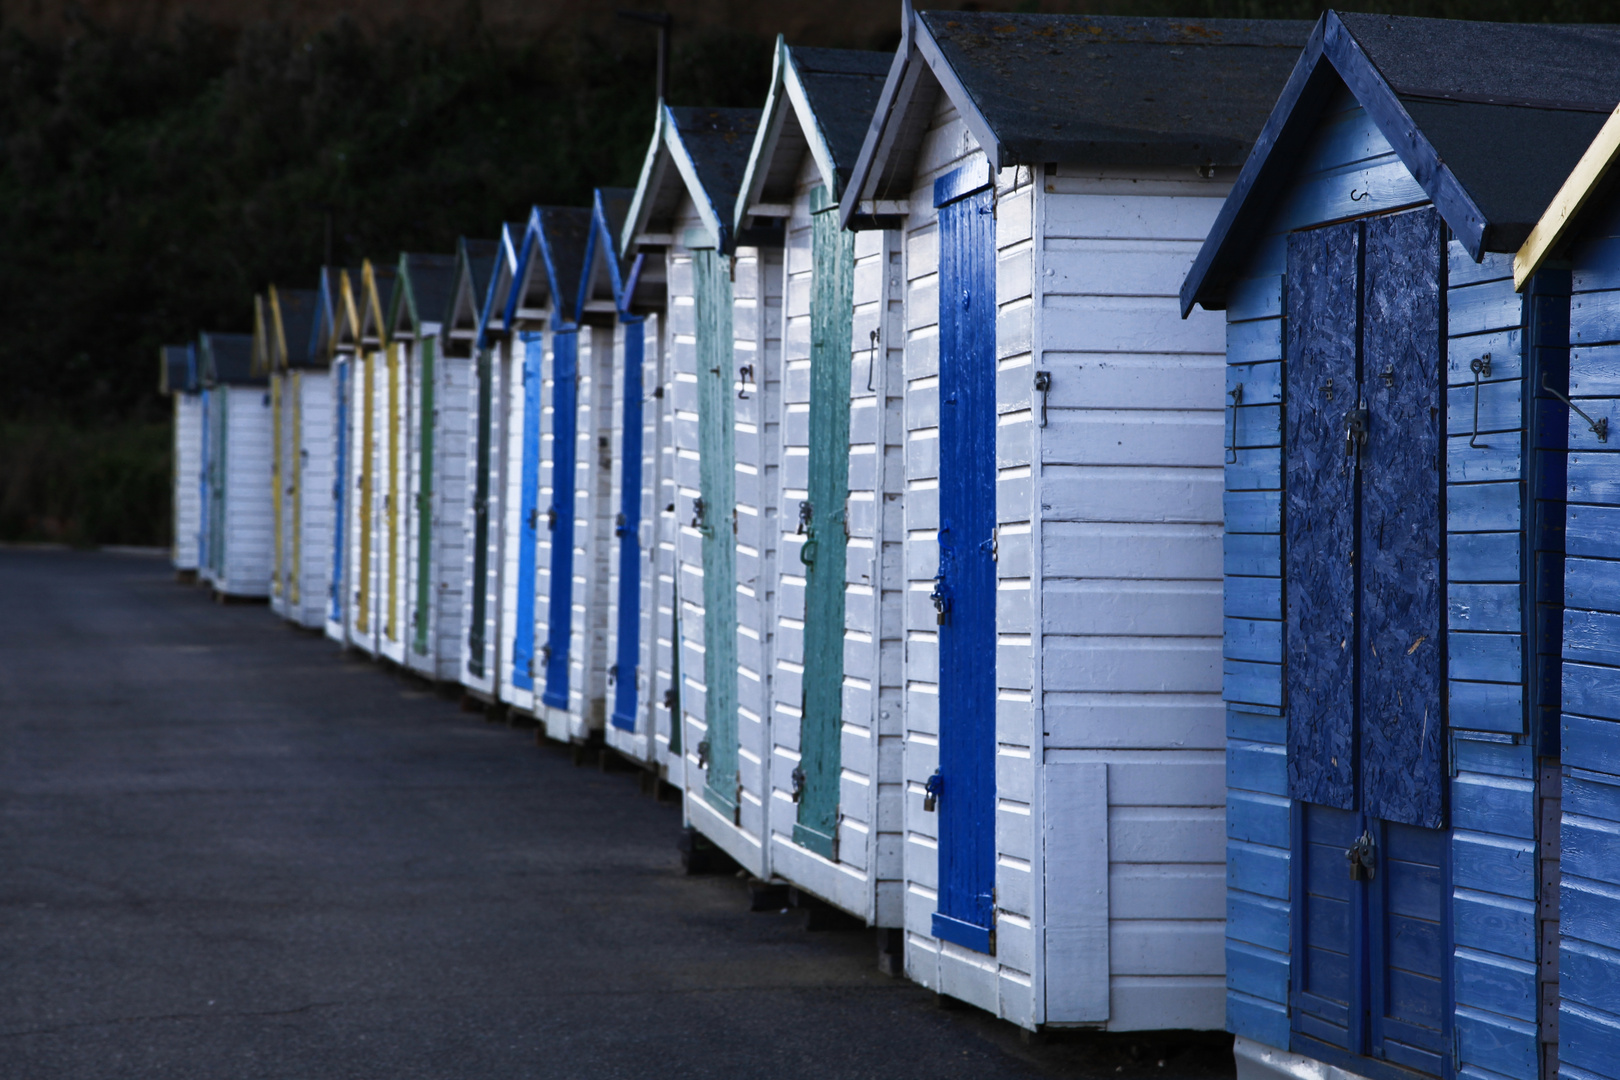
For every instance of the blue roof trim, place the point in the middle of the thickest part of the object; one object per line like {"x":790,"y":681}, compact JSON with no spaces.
{"x":321,"y":326}
{"x":1331,"y":56}
{"x":537,"y":238}
{"x":600,"y":240}
{"x":487,"y":309}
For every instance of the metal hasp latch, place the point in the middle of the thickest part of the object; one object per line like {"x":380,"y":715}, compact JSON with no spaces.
{"x":620,"y":525}
{"x":1356,"y":422}
{"x":1363,"y":858}
{"x":703,"y":754}
{"x":932,"y":791}
{"x":697,"y":513}
{"x":1043,"y":387}
{"x":1600,"y":428}
{"x":798,"y":782}
{"x":551,"y":519}
{"x":942,"y":603}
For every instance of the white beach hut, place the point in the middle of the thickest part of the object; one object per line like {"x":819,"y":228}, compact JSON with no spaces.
{"x":724,"y":306}
{"x":306,"y":452}
{"x":835,"y":777}
{"x":327,"y":349}
{"x":390,"y":456}
{"x":434,"y":441}
{"x":625,"y":298}
{"x":178,"y":378}
{"x":237,"y":493}
{"x":1062,"y":824}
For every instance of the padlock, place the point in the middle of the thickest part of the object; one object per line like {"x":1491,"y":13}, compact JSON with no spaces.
{"x":798,"y":782}
{"x":942,"y":606}
{"x":1362,"y":857}
{"x":932,"y":791}
{"x":703,"y":754}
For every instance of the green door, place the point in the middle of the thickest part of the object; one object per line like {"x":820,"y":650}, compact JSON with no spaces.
{"x":716,"y":518}
{"x":821,"y":519}
{"x":424,"y":493}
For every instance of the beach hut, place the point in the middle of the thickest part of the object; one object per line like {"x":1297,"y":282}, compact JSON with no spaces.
{"x":475,"y":266}
{"x":560,"y":379}
{"x":382,"y":357}
{"x":359,"y":446}
{"x":490,"y":638}
{"x":305,"y":457}
{"x":237,"y":492}
{"x":625,"y":299}
{"x":1577,"y":244}
{"x":325,"y":349}
{"x":178,"y":378}
{"x":1060,"y":735}
{"x":724,"y":307}
{"x":1396,"y":441}
{"x":263,"y":366}
{"x":834,"y":619}
{"x":434,"y":440}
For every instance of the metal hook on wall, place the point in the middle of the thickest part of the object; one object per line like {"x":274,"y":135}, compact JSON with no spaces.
{"x":1600,"y":428}
{"x":1236,"y":394}
{"x":1481,"y":367}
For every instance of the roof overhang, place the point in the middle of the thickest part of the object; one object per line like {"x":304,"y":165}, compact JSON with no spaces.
{"x":668,"y":173}
{"x":1556,"y":227}
{"x":788,"y":130}
{"x":1331,"y":58}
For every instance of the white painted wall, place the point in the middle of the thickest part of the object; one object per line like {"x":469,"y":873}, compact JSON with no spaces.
{"x":452,"y":541}
{"x":594,"y":513}
{"x":187,"y":500}
{"x":310,"y":513}
{"x":249,"y":524}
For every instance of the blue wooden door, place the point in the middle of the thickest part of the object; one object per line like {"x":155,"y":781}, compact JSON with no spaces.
{"x":341,"y":470}
{"x":1365,"y":643}
{"x":627,"y":529}
{"x":560,"y":519}
{"x":965,"y":591}
{"x":528,"y":516}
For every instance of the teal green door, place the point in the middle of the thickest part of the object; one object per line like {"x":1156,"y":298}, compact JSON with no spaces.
{"x":821,"y":518}
{"x":715,"y":517}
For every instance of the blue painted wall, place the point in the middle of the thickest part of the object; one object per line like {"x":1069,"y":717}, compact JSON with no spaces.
{"x":1589,"y":886}
{"x":1350,"y":170}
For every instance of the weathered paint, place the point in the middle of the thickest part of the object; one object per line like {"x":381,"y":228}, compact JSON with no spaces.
{"x":823,"y":521}
{"x":476,"y":641}
{"x":627,"y":527}
{"x":717,"y":523}
{"x":523,"y":666}
{"x":560,"y":515}
{"x":426,"y":410}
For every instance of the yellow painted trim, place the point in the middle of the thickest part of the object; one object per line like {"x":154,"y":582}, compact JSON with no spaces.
{"x":393,"y":492}
{"x":297,"y":490}
{"x":347,"y":317}
{"x":1549,"y":233}
{"x":275,"y":482}
{"x":372,"y":303}
{"x":278,"y":331}
{"x":362,"y":618}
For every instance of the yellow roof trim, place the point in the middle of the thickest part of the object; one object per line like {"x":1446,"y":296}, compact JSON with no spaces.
{"x":374,"y":314}
{"x":346,"y":323}
{"x":1571,"y":199}
{"x":278,"y":330}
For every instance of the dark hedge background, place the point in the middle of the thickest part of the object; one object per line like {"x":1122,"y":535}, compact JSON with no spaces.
{"x":150,"y":184}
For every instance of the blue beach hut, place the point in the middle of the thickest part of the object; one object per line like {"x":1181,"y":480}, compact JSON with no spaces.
{"x":1396,"y":438}
{"x":622,"y":301}
{"x":1579,"y":236}
{"x":552,"y":498}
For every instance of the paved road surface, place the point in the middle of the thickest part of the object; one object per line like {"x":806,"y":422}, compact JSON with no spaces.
{"x":228,"y":852}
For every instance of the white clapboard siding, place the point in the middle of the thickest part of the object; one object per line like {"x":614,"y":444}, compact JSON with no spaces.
{"x":477,"y":671}
{"x":357,"y":508}
{"x":311,"y":515}
{"x":411,"y":512}
{"x":393,"y":518}
{"x":546,"y":538}
{"x":452,"y":435}
{"x":511,"y":351}
{"x":280,"y":506}
{"x":187,"y":503}
{"x":594,"y":513}
{"x":865,"y":878}
{"x":249,"y":525}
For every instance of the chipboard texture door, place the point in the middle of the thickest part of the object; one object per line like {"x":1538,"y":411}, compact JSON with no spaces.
{"x":1365,"y":649}
{"x":427,"y":420}
{"x":560,"y":516}
{"x":627,"y":531}
{"x":822,"y":519}
{"x":965,"y":590}
{"x":711,"y":274}
{"x":523,"y":666}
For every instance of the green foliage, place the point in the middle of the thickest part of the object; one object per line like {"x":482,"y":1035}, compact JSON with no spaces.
{"x":64,"y":483}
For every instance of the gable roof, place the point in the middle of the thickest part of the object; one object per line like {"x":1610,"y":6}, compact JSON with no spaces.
{"x":696,"y":153}
{"x":377,"y":282}
{"x":263,"y":355}
{"x":292,"y":328}
{"x":177,"y":369}
{"x":820,"y":103}
{"x":609,"y":281}
{"x":1587,"y":183}
{"x":475,"y":261}
{"x":227,"y":360}
{"x":1488,"y":117}
{"x":1079,"y":89}
{"x":346,"y":316}
{"x":422,"y":285}
{"x":549,"y":265}
{"x":492,"y":313}
{"x":323,"y":333}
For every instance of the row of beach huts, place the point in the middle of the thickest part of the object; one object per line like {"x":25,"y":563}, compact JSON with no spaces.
{"x":1126,"y":507}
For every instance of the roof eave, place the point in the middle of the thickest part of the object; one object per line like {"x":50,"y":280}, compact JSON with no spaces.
{"x":870,"y":162}
{"x":1552,"y":231}
{"x":652,"y":176}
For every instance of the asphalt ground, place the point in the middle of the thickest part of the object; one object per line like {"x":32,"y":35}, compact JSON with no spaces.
{"x":227,"y":850}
